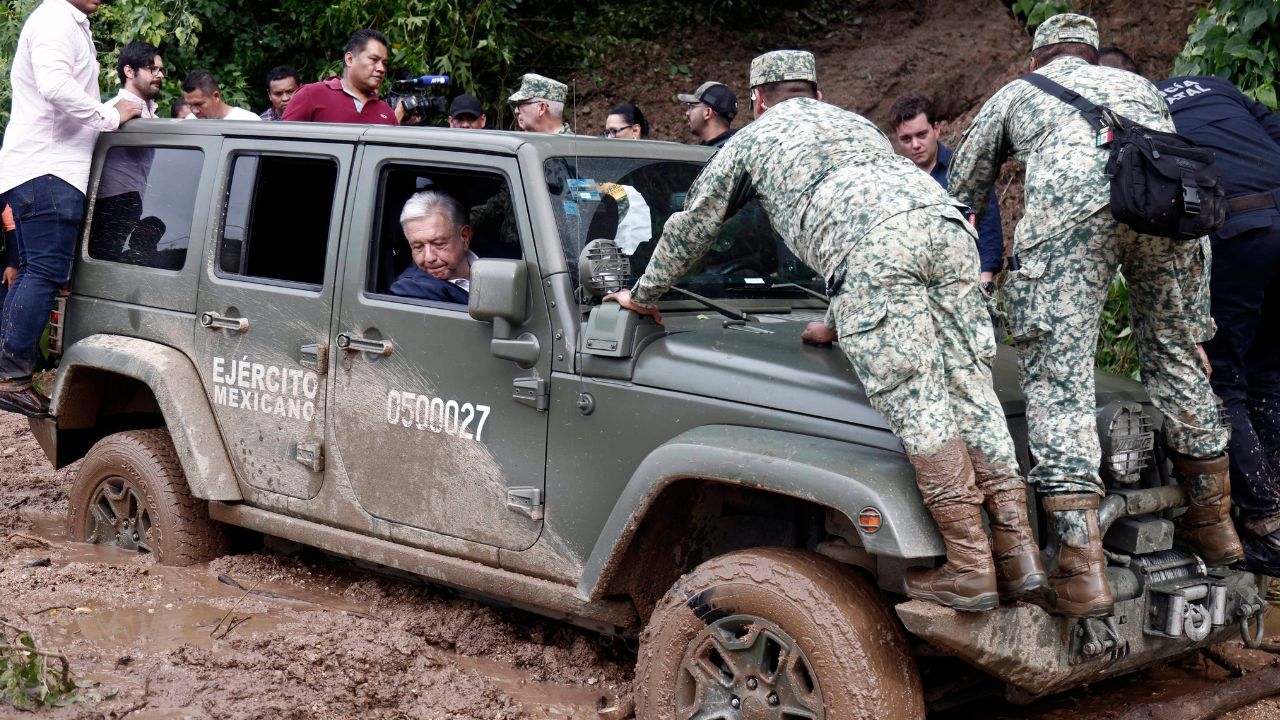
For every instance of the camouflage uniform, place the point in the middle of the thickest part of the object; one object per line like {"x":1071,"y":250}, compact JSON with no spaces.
{"x":1067,"y":248}
{"x":909,"y":314}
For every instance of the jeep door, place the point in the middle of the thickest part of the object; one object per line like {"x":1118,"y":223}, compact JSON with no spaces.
{"x":425,"y":425}
{"x":264,"y":307}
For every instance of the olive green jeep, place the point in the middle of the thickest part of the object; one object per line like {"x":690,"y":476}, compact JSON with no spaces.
{"x":233,"y":354}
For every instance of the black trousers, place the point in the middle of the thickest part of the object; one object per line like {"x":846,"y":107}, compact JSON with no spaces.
{"x":1245,"y":353}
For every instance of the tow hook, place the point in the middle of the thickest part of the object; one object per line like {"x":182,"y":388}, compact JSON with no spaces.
{"x":1094,"y":637}
{"x":1251,"y":611}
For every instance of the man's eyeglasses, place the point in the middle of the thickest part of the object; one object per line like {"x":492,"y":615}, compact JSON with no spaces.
{"x":614,"y":132}
{"x":153,"y":69}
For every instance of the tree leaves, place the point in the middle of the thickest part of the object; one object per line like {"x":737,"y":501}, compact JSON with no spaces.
{"x":1239,"y":40}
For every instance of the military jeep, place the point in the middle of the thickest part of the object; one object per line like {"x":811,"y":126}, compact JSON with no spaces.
{"x":233,"y":356}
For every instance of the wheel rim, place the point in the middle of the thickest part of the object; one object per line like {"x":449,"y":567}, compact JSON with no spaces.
{"x":747,"y":667}
{"x":118,"y":516}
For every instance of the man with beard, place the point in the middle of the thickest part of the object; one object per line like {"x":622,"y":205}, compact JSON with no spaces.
{"x":124,"y":178}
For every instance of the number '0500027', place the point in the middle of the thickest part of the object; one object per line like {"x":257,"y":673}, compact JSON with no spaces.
{"x":437,"y":415}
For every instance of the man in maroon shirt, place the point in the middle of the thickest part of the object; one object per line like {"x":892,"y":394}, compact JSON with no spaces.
{"x":352,"y":98}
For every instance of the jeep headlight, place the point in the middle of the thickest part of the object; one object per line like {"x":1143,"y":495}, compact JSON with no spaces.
{"x":1127,"y":440}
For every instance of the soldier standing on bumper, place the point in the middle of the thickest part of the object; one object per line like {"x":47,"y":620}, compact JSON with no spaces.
{"x":1067,"y":248}
{"x":906,"y":305}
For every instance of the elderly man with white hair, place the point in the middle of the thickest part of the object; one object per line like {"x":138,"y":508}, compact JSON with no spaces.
{"x":439,"y":238}
{"x":539,"y":105}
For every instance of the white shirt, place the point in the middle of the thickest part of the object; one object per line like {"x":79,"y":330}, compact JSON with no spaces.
{"x":465,"y":283}
{"x":127,"y":168}
{"x":241,"y":114}
{"x":57,"y":110}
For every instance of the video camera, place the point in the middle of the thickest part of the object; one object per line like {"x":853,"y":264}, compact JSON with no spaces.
{"x":416,"y":94}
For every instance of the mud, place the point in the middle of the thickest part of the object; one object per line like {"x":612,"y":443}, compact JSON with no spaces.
{"x":262,"y":634}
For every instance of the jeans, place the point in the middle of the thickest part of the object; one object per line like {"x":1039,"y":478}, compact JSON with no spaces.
{"x":48,"y":212}
{"x":1245,"y":354}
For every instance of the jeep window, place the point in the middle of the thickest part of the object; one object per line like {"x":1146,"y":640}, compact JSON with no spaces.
{"x":278,"y":210}
{"x":485,"y":200}
{"x":629,"y":201}
{"x":143,"y":206}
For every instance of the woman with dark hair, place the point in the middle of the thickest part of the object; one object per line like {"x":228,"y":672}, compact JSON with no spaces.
{"x":626,"y":122}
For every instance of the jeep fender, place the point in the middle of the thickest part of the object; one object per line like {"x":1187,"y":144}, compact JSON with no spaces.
{"x":831,"y":473}
{"x":178,"y":391}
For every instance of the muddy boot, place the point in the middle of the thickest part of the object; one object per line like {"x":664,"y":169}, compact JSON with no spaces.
{"x":967,"y":581}
{"x":1207,"y":523}
{"x":1077,"y":584}
{"x":1017,"y":558}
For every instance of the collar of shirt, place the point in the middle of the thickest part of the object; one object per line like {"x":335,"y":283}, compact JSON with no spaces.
{"x":465,"y":283}
{"x":148,"y":106}
{"x":337,"y":83}
{"x":939,"y":171}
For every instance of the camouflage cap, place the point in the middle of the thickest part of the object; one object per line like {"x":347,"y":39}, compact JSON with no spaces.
{"x":533,"y":86}
{"x":1067,"y":27}
{"x":781,"y":65}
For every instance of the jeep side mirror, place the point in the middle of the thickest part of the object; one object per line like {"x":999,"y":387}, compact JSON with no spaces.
{"x":499,"y":294}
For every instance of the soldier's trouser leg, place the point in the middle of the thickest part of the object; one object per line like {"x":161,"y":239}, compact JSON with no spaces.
{"x":1168,"y":311}
{"x":1245,"y":354}
{"x":909,"y":309}
{"x":1054,"y":299}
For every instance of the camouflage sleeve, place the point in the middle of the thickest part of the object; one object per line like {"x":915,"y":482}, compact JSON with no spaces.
{"x":976,"y":162}
{"x":689,"y":234}
{"x":1196,"y":289}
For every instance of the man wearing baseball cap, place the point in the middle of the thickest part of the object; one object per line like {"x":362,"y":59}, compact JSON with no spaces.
{"x":539,"y":105}
{"x":902,"y":272}
{"x":1067,"y":249}
{"x":466,"y":112}
{"x":709,"y":111}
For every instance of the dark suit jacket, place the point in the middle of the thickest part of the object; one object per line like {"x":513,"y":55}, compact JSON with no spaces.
{"x":413,"y":282}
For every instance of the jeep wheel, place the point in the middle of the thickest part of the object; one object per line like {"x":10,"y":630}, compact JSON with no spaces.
{"x":774,"y":633}
{"x":130,"y":492}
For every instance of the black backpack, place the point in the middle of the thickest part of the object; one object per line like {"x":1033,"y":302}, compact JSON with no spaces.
{"x":1161,"y":183}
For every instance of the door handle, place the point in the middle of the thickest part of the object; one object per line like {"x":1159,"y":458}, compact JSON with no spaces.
{"x":355,"y":343}
{"x":214,"y":321}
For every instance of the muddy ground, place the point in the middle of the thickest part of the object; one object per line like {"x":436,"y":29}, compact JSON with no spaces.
{"x":276,"y":634}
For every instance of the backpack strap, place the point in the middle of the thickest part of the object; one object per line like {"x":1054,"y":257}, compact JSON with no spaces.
{"x":1091,"y":112}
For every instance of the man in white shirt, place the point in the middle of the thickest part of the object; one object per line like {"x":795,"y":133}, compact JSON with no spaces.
{"x":118,"y":204}
{"x":200,"y":88}
{"x":56,"y":116}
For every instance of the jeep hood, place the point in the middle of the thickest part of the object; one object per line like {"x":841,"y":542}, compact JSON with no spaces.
{"x":765,"y":364}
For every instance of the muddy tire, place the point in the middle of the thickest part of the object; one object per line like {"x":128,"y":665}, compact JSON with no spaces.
{"x":130,"y":492}
{"x":775,"y":633}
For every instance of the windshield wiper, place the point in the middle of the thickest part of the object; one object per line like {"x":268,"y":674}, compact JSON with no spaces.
{"x":728,"y":311}
{"x":788,"y":286}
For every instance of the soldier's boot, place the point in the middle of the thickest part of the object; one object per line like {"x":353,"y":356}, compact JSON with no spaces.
{"x":1077,"y":582}
{"x":1207,"y":523}
{"x":967,"y":581}
{"x":1019,"y":572}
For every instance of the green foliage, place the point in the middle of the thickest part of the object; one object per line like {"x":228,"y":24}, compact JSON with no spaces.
{"x":1116,"y":350}
{"x":1034,"y":12}
{"x":484,"y":45}
{"x":1238,"y":40}
{"x":28,"y":677}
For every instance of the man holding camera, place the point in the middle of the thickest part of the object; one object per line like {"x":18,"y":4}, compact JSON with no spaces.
{"x":353,"y":97}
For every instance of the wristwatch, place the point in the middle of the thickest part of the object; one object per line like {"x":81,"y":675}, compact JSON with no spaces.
{"x":988,"y":288}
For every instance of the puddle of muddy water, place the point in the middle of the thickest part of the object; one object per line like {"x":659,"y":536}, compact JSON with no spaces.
{"x":540,"y":699}
{"x":187,"y":604}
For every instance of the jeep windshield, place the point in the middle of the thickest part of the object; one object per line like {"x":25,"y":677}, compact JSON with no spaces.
{"x":629,"y":200}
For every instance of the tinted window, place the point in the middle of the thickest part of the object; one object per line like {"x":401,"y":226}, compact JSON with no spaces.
{"x":143,"y":206}
{"x":629,"y":200}
{"x":278,"y":210}
{"x":485,"y":225}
